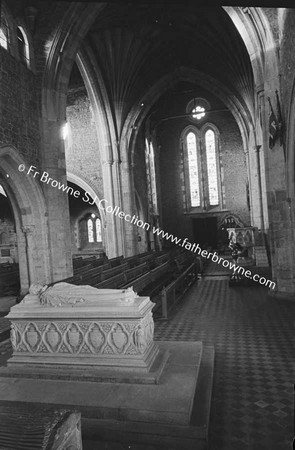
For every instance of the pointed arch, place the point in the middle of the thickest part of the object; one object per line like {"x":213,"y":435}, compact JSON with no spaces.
{"x":29,"y":209}
{"x":73,"y":178}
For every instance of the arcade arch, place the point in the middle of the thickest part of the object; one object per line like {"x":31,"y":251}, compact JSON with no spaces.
{"x":30,"y":216}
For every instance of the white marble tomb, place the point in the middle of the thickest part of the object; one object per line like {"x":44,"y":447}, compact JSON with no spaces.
{"x":78,"y":326}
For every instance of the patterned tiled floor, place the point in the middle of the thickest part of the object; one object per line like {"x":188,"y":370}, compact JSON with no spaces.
{"x":252,"y":403}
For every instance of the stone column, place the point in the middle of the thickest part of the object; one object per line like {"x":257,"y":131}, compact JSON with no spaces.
{"x":57,"y":201}
{"x":257,"y":150}
{"x":111,"y":234}
{"x":130,"y":230}
{"x":120,"y":224}
{"x":23,"y":261}
{"x":255,"y":187}
{"x":246,"y":151}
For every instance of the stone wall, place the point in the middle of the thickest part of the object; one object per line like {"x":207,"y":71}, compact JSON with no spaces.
{"x":19,"y":119}
{"x":83,"y":156}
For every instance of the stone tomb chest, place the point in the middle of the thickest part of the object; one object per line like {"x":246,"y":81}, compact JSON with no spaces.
{"x":81,"y":326}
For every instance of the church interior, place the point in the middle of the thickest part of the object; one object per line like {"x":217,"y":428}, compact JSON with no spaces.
{"x":145,"y":147}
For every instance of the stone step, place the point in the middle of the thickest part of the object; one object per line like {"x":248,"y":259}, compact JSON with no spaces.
{"x":158,"y":436}
{"x":261,"y":257}
{"x":173,"y":414}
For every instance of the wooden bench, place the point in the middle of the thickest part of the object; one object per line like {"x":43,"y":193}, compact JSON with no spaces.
{"x":82,"y":269}
{"x":132,"y":261}
{"x":112,"y":283}
{"x":146,"y":284}
{"x":176,"y":289}
{"x":117,"y":261}
{"x":135,"y":272}
{"x":78,"y":262}
{"x":160,"y":276}
{"x":162,"y":259}
{"x":147,"y":258}
{"x":140,"y":283}
{"x":109,"y":273}
{"x":138,"y":259}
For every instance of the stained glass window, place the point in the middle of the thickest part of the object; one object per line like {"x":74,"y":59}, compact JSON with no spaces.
{"x":151,"y":177}
{"x":4,"y":34}
{"x":193,"y":169}
{"x":98,"y":230}
{"x":90,"y":230}
{"x":198,"y":112}
{"x":23,"y":46}
{"x":211,"y":167}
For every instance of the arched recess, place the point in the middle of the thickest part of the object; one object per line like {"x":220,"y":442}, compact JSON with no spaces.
{"x":30,"y":217}
{"x":87,"y":188}
{"x":77,"y":230}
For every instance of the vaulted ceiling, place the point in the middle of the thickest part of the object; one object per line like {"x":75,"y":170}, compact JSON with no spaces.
{"x":135,"y":45}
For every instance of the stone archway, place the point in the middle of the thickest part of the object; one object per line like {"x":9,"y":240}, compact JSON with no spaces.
{"x":73,"y":178}
{"x":30,"y":215}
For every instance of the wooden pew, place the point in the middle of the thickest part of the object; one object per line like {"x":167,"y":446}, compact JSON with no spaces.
{"x":139,"y":258}
{"x":146,"y":284}
{"x":161,"y":259}
{"x":147,"y":258}
{"x":160,"y":276}
{"x":132,"y":261}
{"x":109,"y":273}
{"x":135,"y":272}
{"x":112,"y":283}
{"x":151,"y":282}
{"x":117,"y":261}
{"x":82,"y":269}
{"x":85,"y":274}
{"x":140,"y":283}
{"x":171,"y":293}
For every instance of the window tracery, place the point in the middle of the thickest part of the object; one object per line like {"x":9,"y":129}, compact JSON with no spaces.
{"x":151,"y":177}
{"x":23,"y":46}
{"x":4,"y":33}
{"x":94,"y":229}
{"x":202,"y":168}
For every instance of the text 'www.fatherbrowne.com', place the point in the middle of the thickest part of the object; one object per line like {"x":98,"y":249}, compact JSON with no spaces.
{"x":195,"y":248}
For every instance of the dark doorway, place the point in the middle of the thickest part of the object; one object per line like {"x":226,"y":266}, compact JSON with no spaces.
{"x":205,"y":231}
